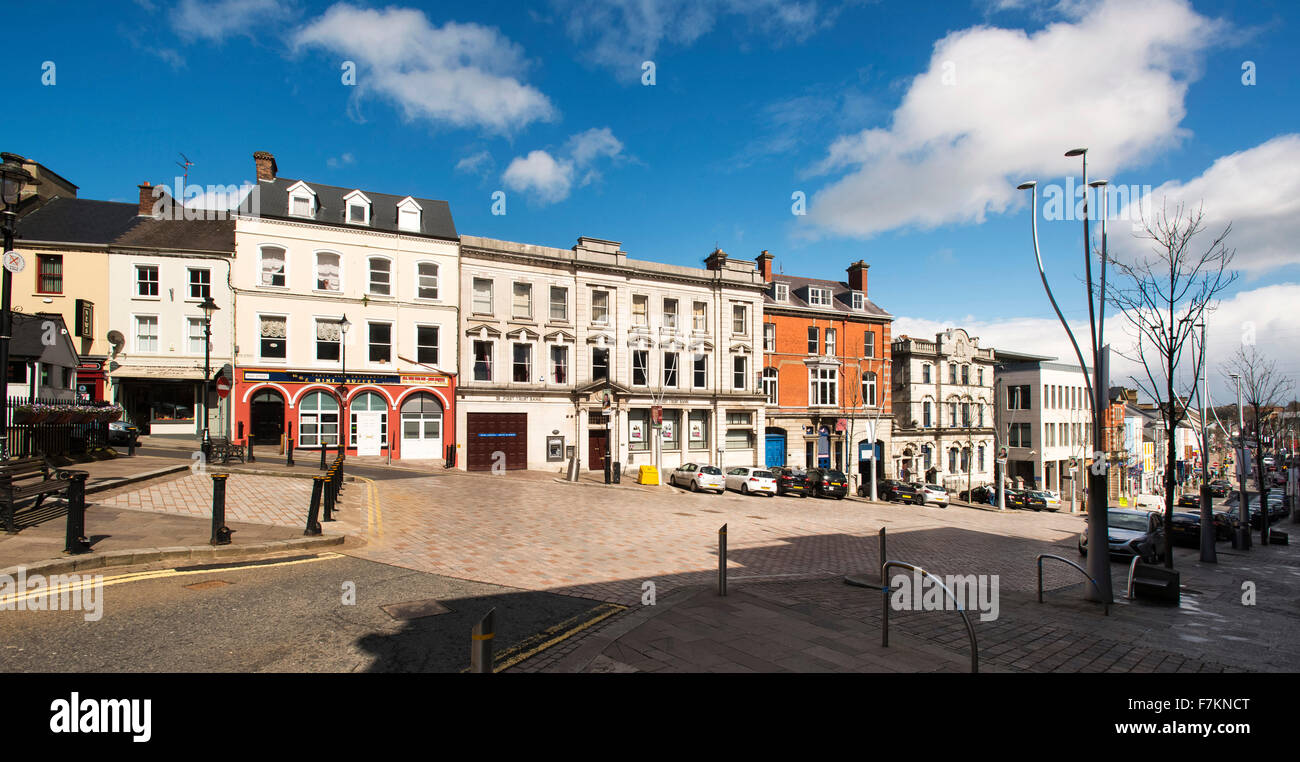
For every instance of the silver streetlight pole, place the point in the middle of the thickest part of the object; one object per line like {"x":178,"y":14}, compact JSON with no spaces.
{"x":1208,"y":553}
{"x":1098,"y":563}
{"x":1243,"y":513}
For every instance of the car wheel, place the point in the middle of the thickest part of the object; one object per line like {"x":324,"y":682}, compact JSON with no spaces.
{"x":744,"y":489}
{"x":695,"y":486}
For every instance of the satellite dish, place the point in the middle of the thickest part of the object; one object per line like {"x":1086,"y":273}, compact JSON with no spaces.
{"x":117,"y":340}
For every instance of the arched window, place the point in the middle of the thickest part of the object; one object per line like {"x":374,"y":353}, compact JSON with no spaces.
{"x":318,"y":420}
{"x":368,"y":402}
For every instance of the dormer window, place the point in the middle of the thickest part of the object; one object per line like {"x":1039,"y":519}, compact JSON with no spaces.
{"x":302,"y":201}
{"x":819,"y":297}
{"x":358,"y":208}
{"x":782,"y":292}
{"x":408,"y":215}
{"x":859,"y":301}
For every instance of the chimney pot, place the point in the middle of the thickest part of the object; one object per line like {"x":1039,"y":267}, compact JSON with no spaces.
{"x":264,"y":161}
{"x":764,"y":260}
{"x":858,"y":276}
{"x":146,"y":200}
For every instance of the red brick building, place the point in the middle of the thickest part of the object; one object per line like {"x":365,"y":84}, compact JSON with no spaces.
{"x":825,"y":371}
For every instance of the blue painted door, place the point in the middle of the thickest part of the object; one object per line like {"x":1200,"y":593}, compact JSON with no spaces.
{"x":775,"y":448}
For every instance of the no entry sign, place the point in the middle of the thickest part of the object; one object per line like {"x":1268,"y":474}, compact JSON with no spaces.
{"x":223,"y":387}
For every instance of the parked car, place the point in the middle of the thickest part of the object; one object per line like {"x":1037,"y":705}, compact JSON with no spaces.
{"x":790,"y":481}
{"x":1187,"y":527}
{"x":122,"y":432}
{"x":697,"y":478}
{"x":933,"y":493}
{"x":1189,"y":500}
{"x":752,"y":480}
{"x":1219,"y":488}
{"x":1131,"y":533}
{"x":894,"y":490}
{"x":827,"y":482}
{"x":1035,"y":500}
{"x":1051,"y":500}
{"x":1015,"y":499}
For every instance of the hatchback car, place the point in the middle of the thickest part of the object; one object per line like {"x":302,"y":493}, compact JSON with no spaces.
{"x":752,"y":480}
{"x":1131,"y":533}
{"x":790,"y":482}
{"x":1035,"y":500}
{"x":1189,"y":500}
{"x":933,"y":493}
{"x":827,"y":482}
{"x":122,"y":432}
{"x":698,"y":478}
{"x":893,"y":491}
{"x":1015,"y":499}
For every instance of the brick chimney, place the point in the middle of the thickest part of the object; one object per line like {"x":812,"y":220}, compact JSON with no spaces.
{"x":716,"y":260}
{"x":765,"y":265}
{"x":858,"y":276}
{"x":265,"y":164}
{"x":146,"y":200}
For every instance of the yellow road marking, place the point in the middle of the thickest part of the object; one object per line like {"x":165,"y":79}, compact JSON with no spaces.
{"x":89,"y":580}
{"x":551,"y":636}
{"x":374,"y":516}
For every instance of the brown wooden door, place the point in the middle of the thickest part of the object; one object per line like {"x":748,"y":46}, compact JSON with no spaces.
{"x":597,"y":439}
{"x":490,"y":433}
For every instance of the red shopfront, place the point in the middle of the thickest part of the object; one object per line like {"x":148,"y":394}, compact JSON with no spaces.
{"x":409,"y":414}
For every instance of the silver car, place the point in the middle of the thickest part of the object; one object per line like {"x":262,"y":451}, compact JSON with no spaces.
{"x":933,"y":493}
{"x":697,"y":478}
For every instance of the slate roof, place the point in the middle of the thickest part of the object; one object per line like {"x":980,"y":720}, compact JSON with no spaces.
{"x":435,"y":221}
{"x":841,"y":296}
{"x":181,"y":235}
{"x":77,"y":220}
{"x":28,"y":342}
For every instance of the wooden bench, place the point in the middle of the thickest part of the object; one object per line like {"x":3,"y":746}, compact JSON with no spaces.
{"x":23,"y":478}
{"x":224,"y":450}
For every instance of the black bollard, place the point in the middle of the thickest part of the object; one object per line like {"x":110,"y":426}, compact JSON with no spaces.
{"x":322,"y":456}
{"x":327,"y":480}
{"x":480,"y":644}
{"x":130,"y":445}
{"x":288,"y":460}
{"x":220,"y":532}
{"x":313,"y":513}
{"x":251,"y":458}
{"x":76,"y":535}
{"x":722,"y":560}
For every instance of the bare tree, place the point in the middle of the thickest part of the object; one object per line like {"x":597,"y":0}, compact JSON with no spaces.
{"x":1262,"y":390}
{"x":1163,"y":296}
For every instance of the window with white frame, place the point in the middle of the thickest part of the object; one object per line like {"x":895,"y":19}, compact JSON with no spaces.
{"x":301,"y":204}
{"x":200,"y":282}
{"x":859,"y":301}
{"x":327,"y":271}
{"x":483,"y":360}
{"x":381,"y":342}
{"x":368,"y":402}
{"x":522,"y":301}
{"x":823,"y":387}
{"x":194,"y":334}
{"x":559,"y":303}
{"x":560,"y":365}
{"x":426,"y":280}
{"x":740,"y":372}
{"x":670,"y":369}
{"x":868,"y":344}
{"x":482,"y":296}
{"x":329,"y":340}
{"x":740,"y":319}
{"x":741,"y":437}
{"x":869,"y":389}
{"x":272,"y":266}
{"x":408,"y":218}
{"x":318,"y":420}
{"x":769,"y":385}
{"x":273,"y":333}
{"x":830,"y":342}
{"x":146,"y":280}
{"x":769,"y":337}
{"x":599,"y":306}
{"x":782,"y":292}
{"x":523,"y":363}
{"x":381,"y":276}
{"x":925,"y":373}
{"x":700,"y":317}
{"x":599,"y":363}
{"x":146,"y":333}
{"x":813,"y":340}
{"x":819,"y":297}
{"x":700,"y":371}
{"x":926,"y":415}
{"x":670,"y":314}
{"x":426,"y":344}
{"x":640,"y":310}
{"x":358,"y":212}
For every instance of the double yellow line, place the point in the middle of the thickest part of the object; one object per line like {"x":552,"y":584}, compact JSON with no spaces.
{"x":87,"y":581}
{"x":374,"y":516}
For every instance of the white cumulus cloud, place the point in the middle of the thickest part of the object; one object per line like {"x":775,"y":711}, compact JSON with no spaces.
{"x":550,"y":178}
{"x":215,"y":20}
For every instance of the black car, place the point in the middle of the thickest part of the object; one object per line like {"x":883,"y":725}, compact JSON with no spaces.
{"x":121,"y":432}
{"x":1034,"y":501}
{"x":895,"y":491}
{"x":1015,"y":499}
{"x":1219,"y":488}
{"x":827,"y":482}
{"x":1131,"y":533}
{"x":790,"y":481}
{"x":1189,"y":500}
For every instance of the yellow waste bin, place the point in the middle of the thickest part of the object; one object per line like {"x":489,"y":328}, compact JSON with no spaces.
{"x":649,"y":475}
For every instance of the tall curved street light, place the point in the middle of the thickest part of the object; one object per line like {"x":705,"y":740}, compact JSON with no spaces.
{"x":1098,"y":562}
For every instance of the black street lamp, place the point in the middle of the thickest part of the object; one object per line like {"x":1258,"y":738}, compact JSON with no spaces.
{"x":12,"y":177}
{"x":208,"y":306}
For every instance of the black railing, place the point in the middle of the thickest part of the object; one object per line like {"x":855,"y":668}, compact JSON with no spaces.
{"x":49,"y":438}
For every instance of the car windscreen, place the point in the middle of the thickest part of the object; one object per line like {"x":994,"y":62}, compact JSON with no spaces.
{"x":934,"y":488}
{"x":835,"y":476}
{"x":711,"y":470}
{"x":1128,"y":521}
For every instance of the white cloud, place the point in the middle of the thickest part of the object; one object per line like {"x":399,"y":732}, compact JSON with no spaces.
{"x":1258,"y":191}
{"x":997,"y":106}
{"x":620,"y":34}
{"x":1263,"y":315}
{"x":346,"y":159}
{"x":476,"y":164}
{"x":550,"y":178}
{"x":542,"y":175}
{"x":214,"y":20}
{"x":462,"y":75}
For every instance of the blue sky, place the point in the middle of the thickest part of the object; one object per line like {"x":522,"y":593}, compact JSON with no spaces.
{"x":905,"y":126}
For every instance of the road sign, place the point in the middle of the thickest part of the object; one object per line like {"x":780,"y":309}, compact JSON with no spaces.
{"x":14,"y":262}
{"x":223,"y":387}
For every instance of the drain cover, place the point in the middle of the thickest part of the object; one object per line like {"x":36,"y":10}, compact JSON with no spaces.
{"x":415,"y":609}
{"x":210,"y":584}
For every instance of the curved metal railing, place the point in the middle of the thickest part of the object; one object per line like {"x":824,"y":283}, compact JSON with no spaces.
{"x":1128,"y":593}
{"x":884,"y":588}
{"x":1084,"y":571}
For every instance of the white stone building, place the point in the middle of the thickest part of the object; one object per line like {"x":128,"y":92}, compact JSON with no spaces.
{"x":1045,"y":420}
{"x":567,"y":351}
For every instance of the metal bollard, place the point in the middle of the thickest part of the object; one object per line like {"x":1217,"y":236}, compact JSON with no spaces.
{"x":329,"y":496}
{"x":882,"y":552}
{"x":313,"y":513}
{"x":722,"y":560}
{"x":480,"y":646}
{"x":251,"y":458}
{"x":288,"y":458}
{"x":130,"y":445}
{"x":220,"y":532}
{"x":76,"y":535}
{"x":322,"y":456}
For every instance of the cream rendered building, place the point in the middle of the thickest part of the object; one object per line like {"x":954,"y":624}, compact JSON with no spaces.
{"x":566,"y":352}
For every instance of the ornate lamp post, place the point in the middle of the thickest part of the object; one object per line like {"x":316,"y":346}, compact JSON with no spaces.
{"x":1098,"y":563}
{"x":208,"y":306}
{"x":12,"y":177}
{"x":345,"y":423}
